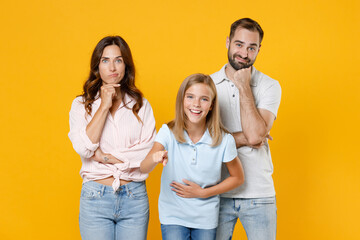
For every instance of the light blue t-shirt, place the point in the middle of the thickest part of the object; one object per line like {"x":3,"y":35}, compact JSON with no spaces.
{"x":200,"y":163}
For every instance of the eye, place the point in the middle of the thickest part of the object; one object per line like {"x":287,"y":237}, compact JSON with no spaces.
{"x":252,"y":49}
{"x":189,"y":96}
{"x":104,"y":60}
{"x":205,"y":99}
{"x":238,"y":45}
{"x":119,"y":60}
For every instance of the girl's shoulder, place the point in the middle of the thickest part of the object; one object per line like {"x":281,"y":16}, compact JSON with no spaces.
{"x":227,"y":137}
{"x":165,"y":128}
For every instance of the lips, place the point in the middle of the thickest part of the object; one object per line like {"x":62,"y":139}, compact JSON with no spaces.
{"x":114,"y":75}
{"x":240,"y":59}
{"x":195,"y":111}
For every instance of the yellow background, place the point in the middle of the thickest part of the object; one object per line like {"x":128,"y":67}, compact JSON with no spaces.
{"x":310,"y":47}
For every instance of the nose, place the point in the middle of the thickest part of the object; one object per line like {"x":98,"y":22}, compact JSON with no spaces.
{"x":112,"y":66}
{"x":243,"y":52}
{"x":196,"y":102}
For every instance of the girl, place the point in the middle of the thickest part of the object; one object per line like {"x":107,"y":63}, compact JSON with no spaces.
{"x":192,"y":148}
{"x":112,"y":128}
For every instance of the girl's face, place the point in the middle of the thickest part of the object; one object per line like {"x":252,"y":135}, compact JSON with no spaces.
{"x":111,"y":66}
{"x":197,"y":103}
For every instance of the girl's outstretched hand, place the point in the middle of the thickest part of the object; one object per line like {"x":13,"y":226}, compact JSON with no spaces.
{"x":190,"y":190}
{"x":160,"y":156}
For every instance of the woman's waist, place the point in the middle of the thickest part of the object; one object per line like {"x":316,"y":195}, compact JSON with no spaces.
{"x":109,"y":181}
{"x":108,"y":176}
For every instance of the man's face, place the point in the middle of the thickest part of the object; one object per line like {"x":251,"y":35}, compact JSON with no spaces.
{"x":243,"y":48}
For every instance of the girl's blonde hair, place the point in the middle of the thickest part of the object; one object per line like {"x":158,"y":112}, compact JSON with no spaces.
{"x":213,"y":122}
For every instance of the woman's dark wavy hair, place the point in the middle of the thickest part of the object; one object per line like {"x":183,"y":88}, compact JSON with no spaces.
{"x":93,"y":83}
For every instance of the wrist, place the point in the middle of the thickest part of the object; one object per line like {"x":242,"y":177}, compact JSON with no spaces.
{"x":103,"y":109}
{"x":242,"y":87}
{"x":204,"y":193}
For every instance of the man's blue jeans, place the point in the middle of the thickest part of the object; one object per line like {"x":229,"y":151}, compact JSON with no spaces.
{"x":109,"y":216}
{"x":177,"y":232}
{"x":257,"y":215}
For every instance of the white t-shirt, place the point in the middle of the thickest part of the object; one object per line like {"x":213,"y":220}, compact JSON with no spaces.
{"x":257,"y":163}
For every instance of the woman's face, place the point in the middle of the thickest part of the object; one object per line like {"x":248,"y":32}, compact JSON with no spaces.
{"x":111,"y":66}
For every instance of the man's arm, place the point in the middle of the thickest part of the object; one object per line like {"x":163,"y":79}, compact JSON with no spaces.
{"x":255,"y":123}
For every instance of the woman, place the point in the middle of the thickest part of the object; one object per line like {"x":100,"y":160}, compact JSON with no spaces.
{"x":112,"y":128}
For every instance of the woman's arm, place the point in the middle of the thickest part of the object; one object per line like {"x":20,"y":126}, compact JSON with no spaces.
{"x":101,"y":157}
{"x":155,"y":156}
{"x":193,"y":190}
{"x":96,"y":125}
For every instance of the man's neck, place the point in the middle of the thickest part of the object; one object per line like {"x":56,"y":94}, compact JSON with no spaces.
{"x":229,"y":71}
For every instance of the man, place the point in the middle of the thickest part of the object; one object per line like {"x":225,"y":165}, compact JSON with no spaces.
{"x":249,"y":101}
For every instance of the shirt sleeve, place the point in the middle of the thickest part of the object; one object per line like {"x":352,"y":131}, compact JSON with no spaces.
{"x":270,"y":98}
{"x":163,"y":136}
{"x":133,"y":156}
{"x":78,"y":137}
{"x":230,"y":151}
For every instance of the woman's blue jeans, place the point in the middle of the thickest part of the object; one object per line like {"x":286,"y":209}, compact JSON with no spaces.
{"x":107,"y":215}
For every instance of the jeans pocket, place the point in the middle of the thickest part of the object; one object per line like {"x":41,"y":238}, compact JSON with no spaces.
{"x":88,"y":193}
{"x":138,"y":192}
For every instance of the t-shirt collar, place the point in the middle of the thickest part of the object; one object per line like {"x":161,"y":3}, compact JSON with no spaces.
{"x":206,"y":138}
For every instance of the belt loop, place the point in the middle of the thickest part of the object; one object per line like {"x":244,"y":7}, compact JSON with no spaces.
{"x":127,"y":189}
{"x":103,"y":188}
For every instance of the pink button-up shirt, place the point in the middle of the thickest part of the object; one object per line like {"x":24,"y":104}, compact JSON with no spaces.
{"x":123,"y":136}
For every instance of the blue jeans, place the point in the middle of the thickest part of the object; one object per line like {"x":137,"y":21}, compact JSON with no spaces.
{"x":177,"y":232}
{"x":107,"y":215}
{"x":257,"y":215}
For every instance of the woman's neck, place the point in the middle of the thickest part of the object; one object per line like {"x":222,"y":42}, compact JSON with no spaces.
{"x":195,"y":131}
{"x":118,"y":94}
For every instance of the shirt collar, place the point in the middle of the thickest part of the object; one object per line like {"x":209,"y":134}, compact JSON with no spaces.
{"x":206,"y":138}
{"x":128,"y":102}
{"x":222,"y":76}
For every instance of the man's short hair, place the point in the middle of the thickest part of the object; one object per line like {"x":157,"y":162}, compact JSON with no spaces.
{"x":248,"y":24}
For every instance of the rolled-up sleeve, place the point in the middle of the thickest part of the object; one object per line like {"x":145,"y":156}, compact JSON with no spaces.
{"x":78,"y":137}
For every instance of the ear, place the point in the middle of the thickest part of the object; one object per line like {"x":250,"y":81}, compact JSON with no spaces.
{"x":227,"y":42}
{"x":259,"y":48}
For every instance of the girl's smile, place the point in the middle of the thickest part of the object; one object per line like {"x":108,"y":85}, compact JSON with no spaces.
{"x":197,"y":103}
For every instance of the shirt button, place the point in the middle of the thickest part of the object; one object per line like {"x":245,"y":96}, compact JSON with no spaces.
{"x":194,"y":149}
{"x":232,"y":85}
{"x":233,"y":95}
{"x":193,"y":159}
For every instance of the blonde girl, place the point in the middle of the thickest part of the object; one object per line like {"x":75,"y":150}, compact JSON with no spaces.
{"x":193,"y":148}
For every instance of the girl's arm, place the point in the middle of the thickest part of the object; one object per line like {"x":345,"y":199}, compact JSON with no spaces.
{"x":193,"y":190}
{"x":156,"y":155}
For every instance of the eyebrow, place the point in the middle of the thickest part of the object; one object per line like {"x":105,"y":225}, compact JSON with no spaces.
{"x":205,"y":96}
{"x":251,"y":44}
{"x":109,"y":58}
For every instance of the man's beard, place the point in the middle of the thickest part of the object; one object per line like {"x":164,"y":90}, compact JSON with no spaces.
{"x":239,"y":65}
